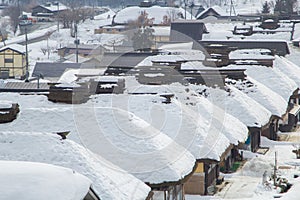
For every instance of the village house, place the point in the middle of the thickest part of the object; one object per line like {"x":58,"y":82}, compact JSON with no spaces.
{"x":48,"y":9}
{"x":12,"y":62}
{"x":82,"y":50}
{"x":197,"y":137}
{"x":110,"y":29}
{"x":214,"y":11}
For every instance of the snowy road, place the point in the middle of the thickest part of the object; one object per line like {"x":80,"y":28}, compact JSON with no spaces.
{"x":244,"y":185}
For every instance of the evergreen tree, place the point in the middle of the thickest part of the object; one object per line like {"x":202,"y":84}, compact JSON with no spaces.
{"x":143,"y":39}
{"x":266,"y":8}
{"x":284,"y":6}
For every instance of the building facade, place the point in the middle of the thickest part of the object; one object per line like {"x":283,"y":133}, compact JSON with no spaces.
{"x":12,"y":62}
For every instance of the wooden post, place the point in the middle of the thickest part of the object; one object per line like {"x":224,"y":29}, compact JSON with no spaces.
{"x":293,"y":30}
{"x":275,"y":169}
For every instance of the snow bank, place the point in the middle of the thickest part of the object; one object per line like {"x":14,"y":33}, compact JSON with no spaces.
{"x":256,"y":167}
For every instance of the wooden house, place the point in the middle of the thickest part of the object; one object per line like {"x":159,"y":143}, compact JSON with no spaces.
{"x":290,"y":121}
{"x":207,"y":174}
{"x":12,"y":62}
{"x":8,"y":112}
{"x":209,"y":12}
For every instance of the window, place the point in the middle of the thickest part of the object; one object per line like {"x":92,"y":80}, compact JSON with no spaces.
{"x":8,"y":60}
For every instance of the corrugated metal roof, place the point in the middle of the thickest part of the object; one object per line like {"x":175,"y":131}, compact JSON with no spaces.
{"x":25,"y":86}
{"x":48,"y":69}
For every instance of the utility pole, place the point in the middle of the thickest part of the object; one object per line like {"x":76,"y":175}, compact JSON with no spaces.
{"x":57,"y":13}
{"x":185,"y":9}
{"x":76,"y":41}
{"x":26,"y":57}
{"x":192,"y":7}
{"x":232,"y":9}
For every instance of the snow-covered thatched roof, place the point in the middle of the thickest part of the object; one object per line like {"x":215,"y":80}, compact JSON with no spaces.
{"x":134,"y":145}
{"x":262,"y":94}
{"x":37,"y":181}
{"x":156,"y":12}
{"x":273,"y":78}
{"x":108,"y":180}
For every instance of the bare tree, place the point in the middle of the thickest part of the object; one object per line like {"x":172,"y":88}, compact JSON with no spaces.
{"x":13,"y":12}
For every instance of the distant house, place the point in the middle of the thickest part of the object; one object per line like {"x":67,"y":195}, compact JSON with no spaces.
{"x":48,"y":9}
{"x":187,"y":31}
{"x":214,"y":11}
{"x":111,"y":29}
{"x":12,"y":61}
{"x":82,"y":49}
